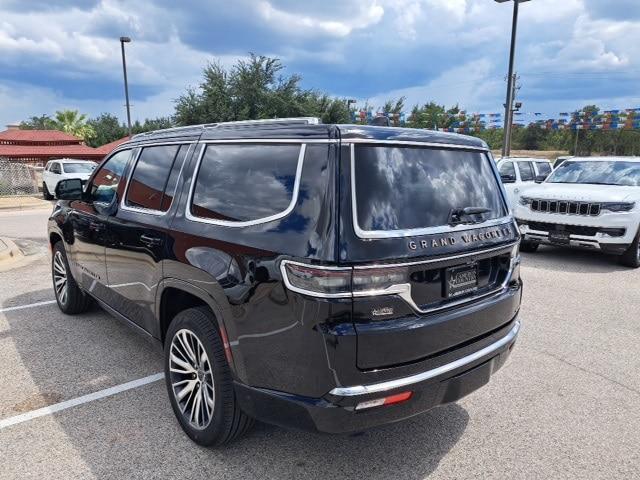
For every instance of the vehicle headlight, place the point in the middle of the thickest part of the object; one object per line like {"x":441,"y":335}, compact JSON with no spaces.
{"x":618,"y":206}
{"x":525,"y":201}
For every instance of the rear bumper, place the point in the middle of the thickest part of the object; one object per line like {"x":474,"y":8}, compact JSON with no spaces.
{"x":335,"y":413}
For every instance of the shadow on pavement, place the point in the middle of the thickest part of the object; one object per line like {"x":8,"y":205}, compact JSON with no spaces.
{"x":134,"y":434}
{"x":572,"y":260}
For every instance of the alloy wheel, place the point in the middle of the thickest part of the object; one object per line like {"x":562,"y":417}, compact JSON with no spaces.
{"x":60,"y":277}
{"x":192,"y":379}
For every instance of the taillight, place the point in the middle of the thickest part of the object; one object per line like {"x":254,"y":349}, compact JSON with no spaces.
{"x":330,"y":282}
{"x":373,"y":280}
{"x":341,"y":282}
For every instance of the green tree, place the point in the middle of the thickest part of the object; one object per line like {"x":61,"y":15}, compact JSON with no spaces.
{"x":254,"y":89}
{"x":150,"y":124}
{"x":107,"y":129}
{"x":43,"y":122}
{"x":74,"y":123}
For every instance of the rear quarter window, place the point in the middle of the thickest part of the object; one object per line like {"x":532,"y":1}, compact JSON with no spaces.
{"x":245,"y":183}
{"x":411,"y":188}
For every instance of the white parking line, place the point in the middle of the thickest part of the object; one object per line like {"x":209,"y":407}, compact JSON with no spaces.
{"x":56,"y":407}
{"x":31,"y":305}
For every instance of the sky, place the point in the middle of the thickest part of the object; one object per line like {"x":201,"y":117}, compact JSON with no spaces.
{"x":570,"y":53}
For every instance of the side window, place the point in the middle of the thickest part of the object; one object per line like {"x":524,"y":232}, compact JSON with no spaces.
{"x":240,"y":183}
{"x":507,"y":168}
{"x":55,"y":168}
{"x":172,"y":182}
{"x":526,"y":171}
{"x":543,"y":168}
{"x":150,"y":177}
{"x":105,"y":183}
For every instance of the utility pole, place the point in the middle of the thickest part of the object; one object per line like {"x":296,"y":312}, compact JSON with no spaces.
{"x":510,"y":108}
{"x":510,"y":78}
{"x":124,"y":40}
{"x":575,"y":148}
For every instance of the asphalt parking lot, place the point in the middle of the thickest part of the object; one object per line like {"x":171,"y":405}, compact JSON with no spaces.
{"x":566,"y":405}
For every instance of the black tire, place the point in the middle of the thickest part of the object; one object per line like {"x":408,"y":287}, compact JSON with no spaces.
{"x":45,"y":192}
{"x":74,"y":300}
{"x":226,"y":421}
{"x":631,"y":258}
{"x":529,"y":247}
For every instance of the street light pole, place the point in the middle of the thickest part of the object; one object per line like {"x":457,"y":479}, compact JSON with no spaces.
{"x":506,"y":144}
{"x":124,"y":40}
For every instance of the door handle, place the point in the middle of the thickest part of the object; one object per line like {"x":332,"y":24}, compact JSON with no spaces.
{"x":150,"y":241}
{"x":95,"y":226}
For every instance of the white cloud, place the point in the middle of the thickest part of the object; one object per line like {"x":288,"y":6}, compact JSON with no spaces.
{"x":446,"y":50}
{"x":471,"y":84}
{"x":369,"y":14}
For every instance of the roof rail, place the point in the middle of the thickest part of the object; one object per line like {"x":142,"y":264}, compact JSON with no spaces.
{"x":270,"y":121}
{"x":239,"y":123}
{"x":173,"y":129}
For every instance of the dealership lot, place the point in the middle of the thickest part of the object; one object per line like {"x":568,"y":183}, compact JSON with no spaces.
{"x":566,"y":405}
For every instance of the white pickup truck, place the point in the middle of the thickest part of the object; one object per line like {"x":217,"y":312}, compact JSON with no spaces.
{"x":62,"y":169}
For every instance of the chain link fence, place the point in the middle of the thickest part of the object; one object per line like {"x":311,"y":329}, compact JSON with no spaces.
{"x":18,"y":178}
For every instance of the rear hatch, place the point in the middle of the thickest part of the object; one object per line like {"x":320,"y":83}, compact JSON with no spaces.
{"x":428,"y":233}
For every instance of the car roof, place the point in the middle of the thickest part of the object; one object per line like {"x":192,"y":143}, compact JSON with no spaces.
{"x":305,"y":129}
{"x":604,"y":159}
{"x":70,"y":160}
{"x":526,"y":159}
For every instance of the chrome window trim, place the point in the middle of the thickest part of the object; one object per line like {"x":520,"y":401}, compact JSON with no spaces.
{"x":287,"y":141}
{"x":429,"y":374}
{"x":311,"y":293}
{"x":403,"y":233}
{"x":149,"y":211}
{"x":130,"y":144}
{"x":451,"y":146}
{"x":258,"y":221}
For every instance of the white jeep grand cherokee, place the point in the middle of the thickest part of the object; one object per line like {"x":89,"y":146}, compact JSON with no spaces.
{"x":586,"y":202}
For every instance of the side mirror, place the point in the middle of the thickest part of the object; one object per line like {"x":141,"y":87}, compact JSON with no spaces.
{"x":541,"y":178}
{"x":70,"y":189}
{"x":508,"y":178}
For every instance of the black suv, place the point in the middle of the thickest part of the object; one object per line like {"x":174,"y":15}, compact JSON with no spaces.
{"x":325,"y":277}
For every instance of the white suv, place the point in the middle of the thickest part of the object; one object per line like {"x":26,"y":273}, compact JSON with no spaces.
{"x":518,"y":174}
{"x":586,"y":202}
{"x":62,"y":169}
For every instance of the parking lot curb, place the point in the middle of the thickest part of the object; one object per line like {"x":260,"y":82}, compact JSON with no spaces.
{"x":23,"y":203}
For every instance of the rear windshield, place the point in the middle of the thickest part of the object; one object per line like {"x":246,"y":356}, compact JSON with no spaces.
{"x":406,"y":188}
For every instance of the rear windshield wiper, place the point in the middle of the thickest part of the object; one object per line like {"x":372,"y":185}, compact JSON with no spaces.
{"x":468,"y":215}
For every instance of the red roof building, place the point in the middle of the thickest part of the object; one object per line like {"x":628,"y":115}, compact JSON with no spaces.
{"x":109,"y":147}
{"x":36,"y":147}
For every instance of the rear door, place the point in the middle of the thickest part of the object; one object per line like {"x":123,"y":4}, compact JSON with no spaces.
{"x":138,"y":232}
{"x":413,"y":244}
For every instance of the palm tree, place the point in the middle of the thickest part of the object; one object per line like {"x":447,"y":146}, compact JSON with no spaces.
{"x":74,"y":123}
